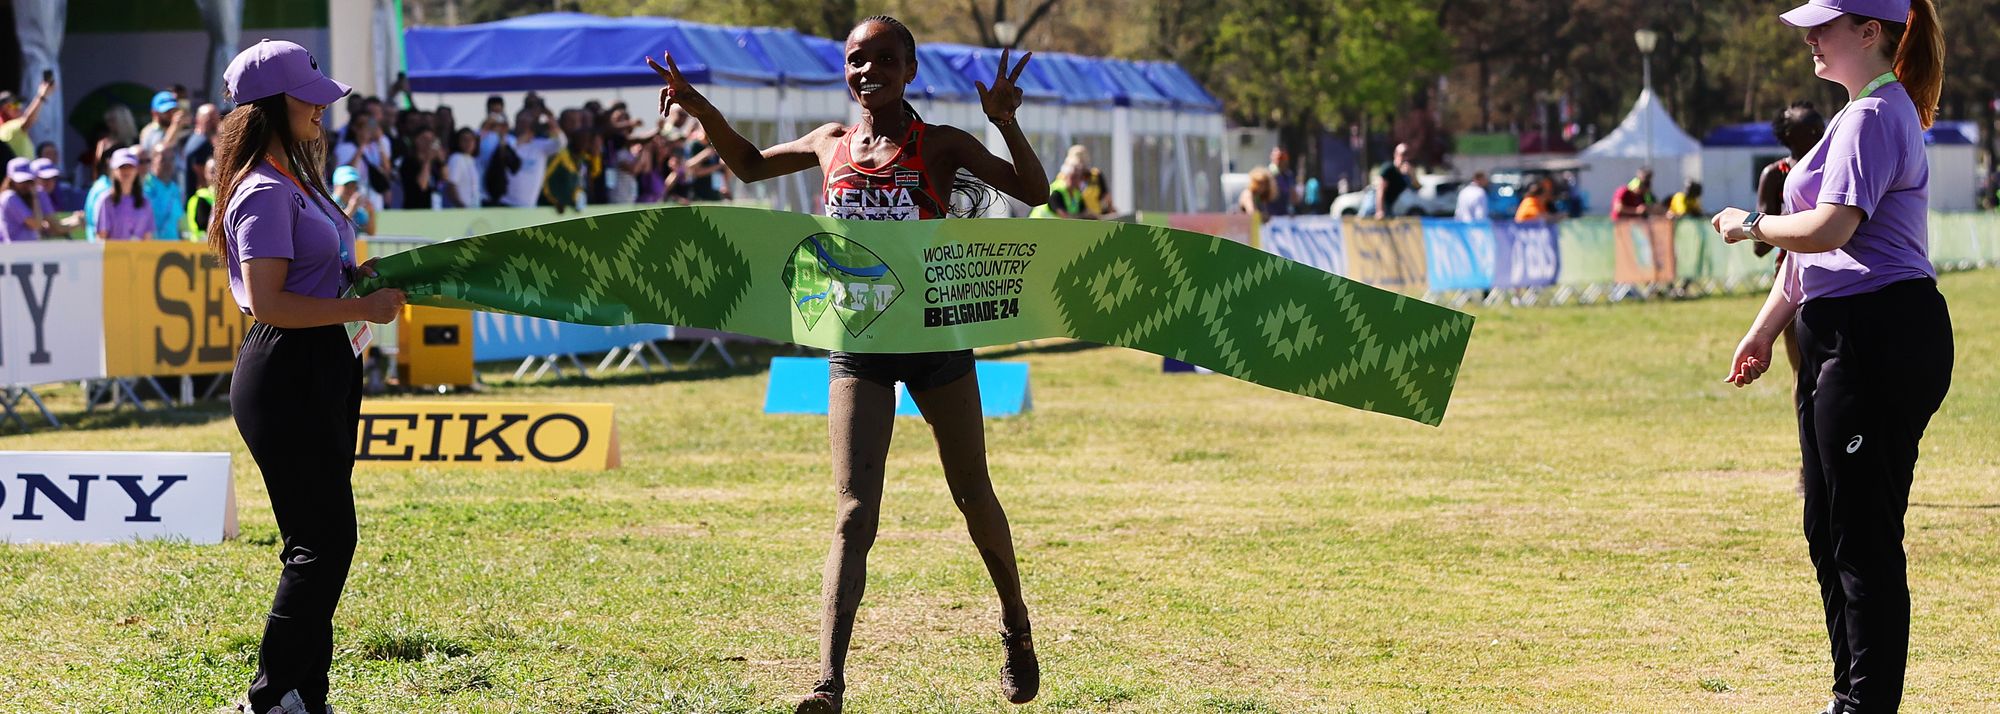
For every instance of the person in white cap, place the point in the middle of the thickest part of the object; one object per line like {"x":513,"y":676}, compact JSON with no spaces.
{"x":122,"y":213}
{"x":1875,"y":335}
{"x":296,"y":395}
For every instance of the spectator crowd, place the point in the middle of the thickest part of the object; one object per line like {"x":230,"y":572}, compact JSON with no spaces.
{"x":151,"y":182}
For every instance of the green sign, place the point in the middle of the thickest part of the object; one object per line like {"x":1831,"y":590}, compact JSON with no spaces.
{"x":927,"y":286}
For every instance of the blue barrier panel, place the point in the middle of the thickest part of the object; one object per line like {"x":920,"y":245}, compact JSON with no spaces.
{"x":509,"y":337}
{"x":798,"y":386}
{"x":1525,"y":255}
{"x":1459,"y":255}
{"x":1312,"y":240}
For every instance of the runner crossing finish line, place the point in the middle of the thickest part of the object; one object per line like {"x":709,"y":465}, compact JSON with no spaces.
{"x":929,"y":286}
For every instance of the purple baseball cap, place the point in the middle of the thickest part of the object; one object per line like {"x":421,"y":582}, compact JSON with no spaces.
{"x":17,"y":170}
{"x":273,"y":67}
{"x":44,"y":168}
{"x":123,"y":158}
{"x":1819,"y":12}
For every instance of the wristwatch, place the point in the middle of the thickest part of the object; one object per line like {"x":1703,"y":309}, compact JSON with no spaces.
{"x":1750,"y":223}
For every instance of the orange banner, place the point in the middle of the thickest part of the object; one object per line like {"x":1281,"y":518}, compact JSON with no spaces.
{"x":1645,"y":251}
{"x":1387,"y":254}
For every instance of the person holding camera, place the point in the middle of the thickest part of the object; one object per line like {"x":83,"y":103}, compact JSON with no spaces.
{"x":535,"y":140}
{"x":15,"y":122}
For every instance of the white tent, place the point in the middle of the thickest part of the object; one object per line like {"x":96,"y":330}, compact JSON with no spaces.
{"x":1615,"y":158}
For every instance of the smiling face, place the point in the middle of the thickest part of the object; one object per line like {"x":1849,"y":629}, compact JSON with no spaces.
{"x":303,"y":118}
{"x":878,"y":66}
{"x":1841,"y":49}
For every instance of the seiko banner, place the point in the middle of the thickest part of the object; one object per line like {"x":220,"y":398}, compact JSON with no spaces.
{"x":490,"y":434}
{"x":115,"y":496}
{"x":51,"y":304}
{"x":170,"y":311}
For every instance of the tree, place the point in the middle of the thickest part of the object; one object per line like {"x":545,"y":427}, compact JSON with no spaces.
{"x":989,"y":38}
{"x":1304,"y":65}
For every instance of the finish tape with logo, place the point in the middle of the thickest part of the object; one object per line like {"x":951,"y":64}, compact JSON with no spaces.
{"x":929,"y":286}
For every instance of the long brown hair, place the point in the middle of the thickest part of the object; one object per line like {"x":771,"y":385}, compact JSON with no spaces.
{"x":138,"y":187}
{"x":1917,"y":48}
{"x":240,"y":144}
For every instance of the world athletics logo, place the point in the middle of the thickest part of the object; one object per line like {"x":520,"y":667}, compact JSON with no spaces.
{"x":830,"y":272}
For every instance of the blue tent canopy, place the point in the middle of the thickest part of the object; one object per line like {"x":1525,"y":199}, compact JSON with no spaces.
{"x":573,"y":51}
{"x":1128,"y":84}
{"x":580,"y":51}
{"x":1076,"y":78}
{"x":1944,"y":133}
{"x":1179,"y":86}
{"x":1750,"y":134}
{"x":789,"y":53}
{"x":979,"y":64}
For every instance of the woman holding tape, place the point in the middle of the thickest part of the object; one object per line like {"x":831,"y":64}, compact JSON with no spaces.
{"x":891,"y":142}
{"x":297,"y":389}
{"x":1859,"y":289}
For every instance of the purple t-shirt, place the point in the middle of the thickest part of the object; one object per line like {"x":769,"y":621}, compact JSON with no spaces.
{"x":123,"y":219}
{"x":1873,"y":159}
{"x":14,"y":214}
{"x":269,"y":217}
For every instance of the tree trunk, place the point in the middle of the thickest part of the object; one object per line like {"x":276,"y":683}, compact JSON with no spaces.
{"x":1485,"y":92}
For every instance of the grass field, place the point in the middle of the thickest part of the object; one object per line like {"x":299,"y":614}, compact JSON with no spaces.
{"x":1599,"y":526}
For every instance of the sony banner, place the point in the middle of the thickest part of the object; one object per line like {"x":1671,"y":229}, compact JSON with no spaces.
{"x":115,"y":496}
{"x":51,"y":301}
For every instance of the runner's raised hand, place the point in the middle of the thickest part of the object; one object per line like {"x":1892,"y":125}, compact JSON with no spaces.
{"x":679,"y":90}
{"x":1000,"y":100}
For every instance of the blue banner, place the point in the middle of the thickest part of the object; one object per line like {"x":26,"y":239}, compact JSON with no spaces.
{"x":1459,"y":255}
{"x":1312,"y":240}
{"x":509,"y":337}
{"x":1525,"y":255}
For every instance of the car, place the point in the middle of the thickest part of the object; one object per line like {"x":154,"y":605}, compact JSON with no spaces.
{"x":1434,"y":195}
{"x":1507,"y":185}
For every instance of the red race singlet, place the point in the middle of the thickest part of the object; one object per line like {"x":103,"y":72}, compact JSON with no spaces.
{"x":896,"y":191}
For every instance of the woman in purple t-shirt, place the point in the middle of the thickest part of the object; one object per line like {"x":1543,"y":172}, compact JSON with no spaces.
{"x":121,"y":212}
{"x":296,"y":394}
{"x":21,"y":218}
{"x":1860,"y":292}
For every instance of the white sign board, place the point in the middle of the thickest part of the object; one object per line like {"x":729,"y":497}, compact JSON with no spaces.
{"x":51,"y":312}
{"x":115,"y":496}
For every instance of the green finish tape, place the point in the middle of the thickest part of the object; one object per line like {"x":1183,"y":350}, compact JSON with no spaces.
{"x":927,"y":286}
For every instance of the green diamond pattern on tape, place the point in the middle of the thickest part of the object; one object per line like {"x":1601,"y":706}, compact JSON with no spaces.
{"x":925,"y":286}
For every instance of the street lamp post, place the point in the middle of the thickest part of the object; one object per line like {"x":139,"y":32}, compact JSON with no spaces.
{"x":1006,"y":32}
{"x":1647,"y":40}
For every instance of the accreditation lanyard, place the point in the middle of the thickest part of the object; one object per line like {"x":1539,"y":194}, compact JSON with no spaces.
{"x":1877,"y":83}
{"x":346,"y":259}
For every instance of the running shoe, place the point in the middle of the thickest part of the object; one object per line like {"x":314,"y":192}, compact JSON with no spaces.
{"x":1021,"y":676}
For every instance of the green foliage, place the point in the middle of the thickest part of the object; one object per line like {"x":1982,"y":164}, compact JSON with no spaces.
{"x":1312,"y":61}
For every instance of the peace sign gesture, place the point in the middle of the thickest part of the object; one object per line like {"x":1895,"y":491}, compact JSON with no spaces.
{"x":679,"y":90}
{"x":1003,"y":98}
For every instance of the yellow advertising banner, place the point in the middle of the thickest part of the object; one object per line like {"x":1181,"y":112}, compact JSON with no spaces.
{"x":489,"y":434}
{"x":1645,"y":251}
{"x":168,"y":311}
{"x":1387,"y":254}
